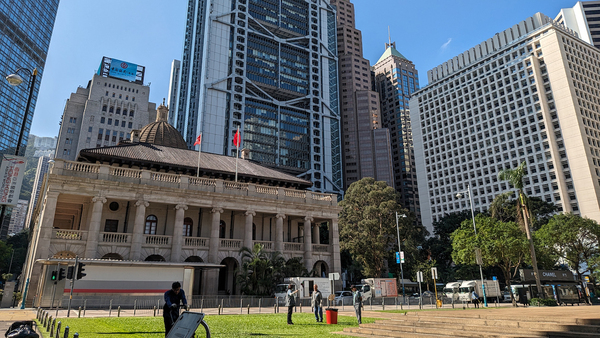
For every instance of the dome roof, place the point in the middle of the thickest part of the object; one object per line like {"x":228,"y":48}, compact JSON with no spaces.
{"x":161,"y":132}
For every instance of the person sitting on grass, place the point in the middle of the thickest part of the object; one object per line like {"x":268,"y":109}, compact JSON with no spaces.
{"x":173,"y":298}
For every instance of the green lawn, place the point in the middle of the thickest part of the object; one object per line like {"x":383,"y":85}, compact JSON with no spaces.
{"x":264,"y":325}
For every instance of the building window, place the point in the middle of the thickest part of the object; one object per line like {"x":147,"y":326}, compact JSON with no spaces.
{"x":109,"y":122}
{"x":123,"y":124}
{"x":121,"y":136}
{"x":104,"y":108}
{"x":118,"y":111}
{"x":130,"y":125}
{"x":100,"y":133}
{"x":253,"y":231}
{"x":90,"y":129}
{"x":106,"y":93}
{"x":113,"y":95}
{"x":127,"y":97}
{"x":124,"y":112}
{"x":151,"y":222}
{"x":111,"y":109}
{"x":131,"y":113}
{"x":111,"y":225}
{"x":188,"y":225}
{"x":72,"y":120}
{"x":68,"y":141}
{"x":66,"y":151}
{"x":133,"y":98}
{"x":70,"y":130}
{"x":102,"y":120}
{"x":222,"y":228}
{"x":92,"y":118}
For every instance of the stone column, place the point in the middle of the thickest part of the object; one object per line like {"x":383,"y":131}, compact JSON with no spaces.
{"x":308,"y":242}
{"x":40,"y":244}
{"x":213,"y":246}
{"x":316,"y":234}
{"x":138,"y":230}
{"x":334,"y":242}
{"x":91,"y":247}
{"x":178,"y":232}
{"x":279,"y":232}
{"x":248,"y":241}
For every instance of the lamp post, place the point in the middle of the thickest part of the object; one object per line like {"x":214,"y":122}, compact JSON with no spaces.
{"x":400,"y":253}
{"x":459,"y":195}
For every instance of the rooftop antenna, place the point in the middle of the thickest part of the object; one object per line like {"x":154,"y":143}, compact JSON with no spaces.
{"x":390,"y":44}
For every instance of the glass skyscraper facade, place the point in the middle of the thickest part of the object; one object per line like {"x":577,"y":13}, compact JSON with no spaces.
{"x":269,"y":68}
{"x":25,"y":31}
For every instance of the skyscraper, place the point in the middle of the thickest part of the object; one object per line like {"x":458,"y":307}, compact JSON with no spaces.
{"x":268,"y":68}
{"x":365,"y":144}
{"x":527,"y":94}
{"x":396,"y":79}
{"x":584,"y":19}
{"x":103,"y":113}
{"x":42,"y":168}
{"x":173,"y":87}
{"x":26,"y":29}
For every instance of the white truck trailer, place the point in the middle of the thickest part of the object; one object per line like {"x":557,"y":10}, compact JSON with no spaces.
{"x":492,"y":290}
{"x":379,"y":287}
{"x":305,"y":285}
{"x":451,"y":290}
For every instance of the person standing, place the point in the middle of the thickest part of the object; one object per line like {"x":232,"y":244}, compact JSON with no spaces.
{"x":316,"y":300}
{"x":290,"y":302}
{"x":357,"y":302}
{"x":475,"y":299}
{"x":173,"y":298}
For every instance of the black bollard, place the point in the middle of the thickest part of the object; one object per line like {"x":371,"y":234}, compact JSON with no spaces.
{"x":58,"y":329}
{"x":52,"y":327}
{"x":66,"y":332}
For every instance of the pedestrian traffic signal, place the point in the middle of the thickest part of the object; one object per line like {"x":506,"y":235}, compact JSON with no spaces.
{"x":61,"y":274}
{"x":53,"y":276}
{"x":70,"y":272}
{"x":80,"y":271}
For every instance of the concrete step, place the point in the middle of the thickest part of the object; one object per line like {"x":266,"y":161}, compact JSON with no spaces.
{"x":458,"y":331}
{"x":409,"y":335}
{"x":438,"y":332}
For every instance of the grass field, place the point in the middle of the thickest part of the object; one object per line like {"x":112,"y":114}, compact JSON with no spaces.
{"x":225,"y":326}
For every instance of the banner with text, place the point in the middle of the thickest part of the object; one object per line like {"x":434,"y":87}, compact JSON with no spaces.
{"x":11,"y":174}
{"x":123,"y":70}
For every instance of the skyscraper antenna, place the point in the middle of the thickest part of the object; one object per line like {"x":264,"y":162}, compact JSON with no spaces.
{"x":389,"y":36}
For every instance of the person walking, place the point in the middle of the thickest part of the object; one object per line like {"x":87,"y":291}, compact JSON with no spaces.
{"x":316,"y":300}
{"x":475,"y":299}
{"x":173,"y":298}
{"x":290,"y":302}
{"x":357,"y":302}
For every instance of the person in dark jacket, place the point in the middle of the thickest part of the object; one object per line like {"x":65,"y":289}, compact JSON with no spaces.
{"x":173,"y":299}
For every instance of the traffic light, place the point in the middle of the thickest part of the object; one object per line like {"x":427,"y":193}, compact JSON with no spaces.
{"x":80,"y":271}
{"x":61,"y":274}
{"x":54,"y":273}
{"x":70,"y":272}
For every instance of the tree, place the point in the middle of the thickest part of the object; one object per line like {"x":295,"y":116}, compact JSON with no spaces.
{"x":504,"y":208}
{"x":574,"y":239}
{"x":515,"y":178}
{"x":502,"y":245}
{"x":260,"y":271}
{"x":367,"y":223}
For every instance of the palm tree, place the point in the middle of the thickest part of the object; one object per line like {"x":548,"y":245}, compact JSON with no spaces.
{"x":515,"y":178}
{"x":260,"y":270}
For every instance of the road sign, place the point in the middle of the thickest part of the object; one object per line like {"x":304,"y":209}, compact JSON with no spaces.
{"x":434,"y":273}
{"x":334,"y":276}
{"x":478,"y":256}
{"x":397,"y":257}
{"x":402,"y":257}
{"x":494,"y":278}
{"x":419,"y":276}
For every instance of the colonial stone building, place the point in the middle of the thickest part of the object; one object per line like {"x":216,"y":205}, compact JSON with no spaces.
{"x":146,"y":204}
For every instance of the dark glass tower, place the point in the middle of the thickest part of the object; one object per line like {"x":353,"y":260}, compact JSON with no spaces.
{"x":268,"y":67}
{"x":25,"y":31}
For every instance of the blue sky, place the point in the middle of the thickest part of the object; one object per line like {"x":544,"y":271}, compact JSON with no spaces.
{"x":150,"y":33}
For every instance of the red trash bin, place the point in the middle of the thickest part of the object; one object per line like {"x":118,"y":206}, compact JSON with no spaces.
{"x":331,"y":315}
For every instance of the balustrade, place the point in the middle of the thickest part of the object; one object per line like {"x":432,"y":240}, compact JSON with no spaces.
{"x":158,"y":240}
{"x":268,"y":246}
{"x":162,"y":177}
{"x":231,"y":244}
{"x":125,"y":172}
{"x":293,"y":246}
{"x":196,"y":242}
{"x":82,"y":167}
{"x":320,"y":248}
{"x":112,"y":237}
{"x":71,"y":235}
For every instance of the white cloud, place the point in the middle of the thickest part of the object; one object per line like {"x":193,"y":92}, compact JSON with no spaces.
{"x":445,"y":45}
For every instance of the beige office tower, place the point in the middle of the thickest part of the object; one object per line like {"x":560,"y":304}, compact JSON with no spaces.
{"x":584,"y":19}
{"x":396,"y":79}
{"x":529,"y":93}
{"x":366,"y":150}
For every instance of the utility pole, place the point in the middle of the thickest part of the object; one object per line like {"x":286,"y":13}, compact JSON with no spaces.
{"x":73,"y":284}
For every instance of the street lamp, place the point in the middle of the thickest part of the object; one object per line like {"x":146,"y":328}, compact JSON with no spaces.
{"x":400,"y":253}
{"x":15,"y":80}
{"x":460,"y":195}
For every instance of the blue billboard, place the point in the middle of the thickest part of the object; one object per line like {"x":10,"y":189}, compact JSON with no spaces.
{"x":123,"y":70}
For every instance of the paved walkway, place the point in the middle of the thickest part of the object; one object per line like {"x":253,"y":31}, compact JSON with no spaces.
{"x":9,"y":316}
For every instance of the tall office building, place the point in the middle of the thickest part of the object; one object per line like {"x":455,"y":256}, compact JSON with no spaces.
{"x":173,"y":87}
{"x":43,"y":146}
{"x":25,"y":31}
{"x":527,"y":94}
{"x":396,"y":79}
{"x":268,"y":67}
{"x":584,"y":19}
{"x":17,"y":217}
{"x":365,"y":144}
{"x":103,"y":113}
{"x":42,"y":168}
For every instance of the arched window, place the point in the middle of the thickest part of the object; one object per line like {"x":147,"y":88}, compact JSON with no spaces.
{"x":113,"y":95}
{"x":188,"y":225}
{"x":111,"y":109}
{"x":222,"y":228}
{"x":131,"y":113}
{"x":124,"y":112}
{"x":151,"y":222}
{"x":118,"y":111}
{"x":104,"y":108}
{"x":253,"y":231}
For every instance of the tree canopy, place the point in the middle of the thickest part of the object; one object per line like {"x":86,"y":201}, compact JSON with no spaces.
{"x":367,"y":224}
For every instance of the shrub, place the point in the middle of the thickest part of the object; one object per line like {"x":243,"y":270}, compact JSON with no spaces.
{"x":542,"y":302}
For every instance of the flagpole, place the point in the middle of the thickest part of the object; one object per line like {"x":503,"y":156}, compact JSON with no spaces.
{"x":237,"y":151}
{"x":199,"y":151}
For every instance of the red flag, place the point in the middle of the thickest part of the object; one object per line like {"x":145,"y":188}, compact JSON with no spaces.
{"x":198,"y":140}
{"x":237,"y":140}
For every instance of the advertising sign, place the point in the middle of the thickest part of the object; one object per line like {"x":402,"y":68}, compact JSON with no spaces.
{"x":11,"y":174}
{"x":547,"y":275}
{"x":123,"y":70}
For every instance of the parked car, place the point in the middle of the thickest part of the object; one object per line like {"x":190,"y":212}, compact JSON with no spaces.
{"x":428,"y":294}
{"x":506,"y":296}
{"x":343,"y":297}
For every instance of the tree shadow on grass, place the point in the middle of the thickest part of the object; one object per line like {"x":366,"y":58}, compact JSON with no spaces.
{"x":122,"y":333}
